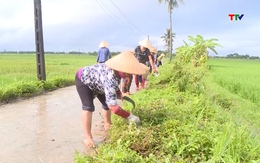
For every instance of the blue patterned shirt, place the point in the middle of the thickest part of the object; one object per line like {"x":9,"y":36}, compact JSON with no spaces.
{"x":101,"y":80}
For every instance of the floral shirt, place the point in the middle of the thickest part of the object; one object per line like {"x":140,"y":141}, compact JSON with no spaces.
{"x":101,"y":80}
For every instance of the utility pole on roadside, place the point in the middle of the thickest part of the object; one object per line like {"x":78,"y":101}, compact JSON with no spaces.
{"x":40,"y":61}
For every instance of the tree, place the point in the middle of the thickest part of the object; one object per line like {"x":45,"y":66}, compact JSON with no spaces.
{"x":197,"y":53}
{"x":166,"y":38}
{"x":171,"y":5}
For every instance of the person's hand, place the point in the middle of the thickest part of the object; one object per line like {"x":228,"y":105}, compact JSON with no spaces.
{"x":154,"y":70}
{"x":119,"y":96}
{"x":88,"y":142}
{"x":133,"y":118}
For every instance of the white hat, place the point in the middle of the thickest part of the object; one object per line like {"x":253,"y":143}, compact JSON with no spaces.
{"x":103,"y":44}
{"x":145,"y":43}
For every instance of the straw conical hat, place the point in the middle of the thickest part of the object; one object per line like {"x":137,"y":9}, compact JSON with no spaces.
{"x":147,"y":70}
{"x":145,"y":43}
{"x":125,"y":62}
{"x":153,"y":49}
{"x":103,"y":44}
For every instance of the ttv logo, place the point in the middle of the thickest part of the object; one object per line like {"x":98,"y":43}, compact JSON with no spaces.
{"x":237,"y":16}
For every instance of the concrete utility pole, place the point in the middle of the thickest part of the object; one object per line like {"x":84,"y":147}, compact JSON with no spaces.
{"x":39,"y":40}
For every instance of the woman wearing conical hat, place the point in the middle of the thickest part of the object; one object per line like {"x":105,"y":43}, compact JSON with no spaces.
{"x":103,"y":52}
{"x":159,"y":60}
{"x":143,"y":55}
{"x":153,"y":52}
{"x":102,"y":81}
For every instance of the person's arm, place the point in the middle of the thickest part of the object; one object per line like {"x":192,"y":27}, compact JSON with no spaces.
{"x":116,"y":109}
{"x":152,"y":63}
{"x":109,"y":54}
{"x":119,"y":94}
{"x":98,"y":56}
{"x":111,"y":95}
{"x":135,"y":51}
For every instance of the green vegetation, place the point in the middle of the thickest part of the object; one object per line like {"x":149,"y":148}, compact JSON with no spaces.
{"x":188,"y":115}
{"x":237,"y":81}
{"x":208,"y":113}
{"x":198,"y":52}
{"x":19,"y":74}
{"x":238,"y":76}
{"x":184,"y":119}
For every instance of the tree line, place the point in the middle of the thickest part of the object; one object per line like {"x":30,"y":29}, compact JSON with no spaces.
{"x":94,"y":53}
{"x":238,"y":56}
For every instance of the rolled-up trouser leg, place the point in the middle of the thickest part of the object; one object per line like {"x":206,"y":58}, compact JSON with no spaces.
{"x":102,"y":99}
{"x":85,"y":94}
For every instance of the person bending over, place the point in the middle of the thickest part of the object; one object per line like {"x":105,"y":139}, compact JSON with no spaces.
{"x":102,"y":81}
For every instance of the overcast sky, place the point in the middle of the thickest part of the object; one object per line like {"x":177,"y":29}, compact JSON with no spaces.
{"x":80,"y":25}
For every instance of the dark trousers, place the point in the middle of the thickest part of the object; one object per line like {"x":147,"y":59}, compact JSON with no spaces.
{"x":87,"y":96}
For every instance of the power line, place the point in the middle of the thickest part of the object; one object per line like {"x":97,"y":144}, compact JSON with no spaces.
{"x":118,"y":22}
{"x":126,"y":17}
{"x":113,"y":14}
{"x":109,"y":14}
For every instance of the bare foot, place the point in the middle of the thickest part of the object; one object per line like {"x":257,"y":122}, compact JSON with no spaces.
{"x":126,"y":94}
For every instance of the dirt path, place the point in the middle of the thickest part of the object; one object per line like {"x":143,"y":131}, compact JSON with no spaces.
{"x":46,"y":128}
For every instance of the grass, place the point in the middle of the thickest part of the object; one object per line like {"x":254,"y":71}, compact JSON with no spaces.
{"x":238,"y":87}
{"x":18,"y":68}
{"x":19,"y":73}
{"x":240,"y":77}
{"x":185,"y":118}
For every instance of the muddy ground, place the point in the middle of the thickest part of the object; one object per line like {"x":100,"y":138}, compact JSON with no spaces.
{"x":46,"y":128}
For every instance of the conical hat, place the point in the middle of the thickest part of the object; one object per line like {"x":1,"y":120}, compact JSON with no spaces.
{"x":125,"y":62}
{"x":163,"y":54}
{"x":103,"y":44}
{"x":153,"y":49}
{"x":147,"y":70}
{"x":145,"y":43}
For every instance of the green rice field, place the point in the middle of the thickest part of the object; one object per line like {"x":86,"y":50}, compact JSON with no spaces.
{"x":18,"y":74}
{"x":238,"y":81}
{"x":22,"y":68}
{"x":241,"y":77}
